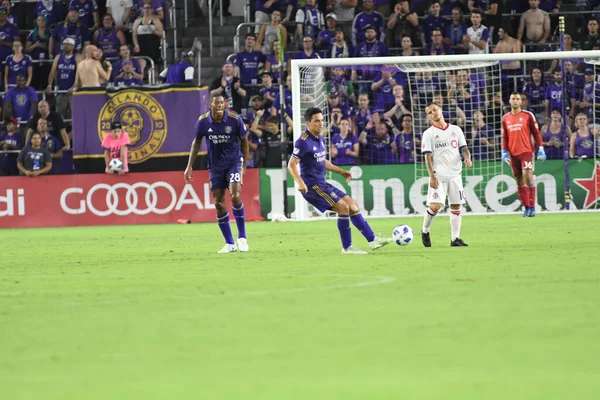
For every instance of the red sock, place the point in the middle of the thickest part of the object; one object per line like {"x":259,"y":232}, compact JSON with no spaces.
{"x":531,"y":191}
{"x":524,"y":195}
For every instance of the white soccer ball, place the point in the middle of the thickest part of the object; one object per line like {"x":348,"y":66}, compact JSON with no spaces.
{"x":403,"y":235}
{"x":115,"y":165}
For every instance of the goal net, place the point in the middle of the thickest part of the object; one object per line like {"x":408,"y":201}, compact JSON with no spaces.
{"x":389,"y":173}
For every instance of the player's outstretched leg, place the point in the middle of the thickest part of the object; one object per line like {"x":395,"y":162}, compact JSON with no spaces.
{"x":223,"y":221}
{"x":238,"y":213}
{"x":344,"y":227}
{"x":455,"y":222}
{"x":430,"y":214}
{"x":375,"y":242}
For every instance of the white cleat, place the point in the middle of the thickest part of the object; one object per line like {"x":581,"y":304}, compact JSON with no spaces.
{"x":243,"y":245}
{"x":379,"y":242}
{"x":228,"y":248}
{"x":353,"y":250}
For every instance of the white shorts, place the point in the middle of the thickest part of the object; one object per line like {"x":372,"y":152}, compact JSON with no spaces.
{"x":453,"y":188}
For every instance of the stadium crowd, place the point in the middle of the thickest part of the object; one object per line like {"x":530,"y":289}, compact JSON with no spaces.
{"x":51,"y":48}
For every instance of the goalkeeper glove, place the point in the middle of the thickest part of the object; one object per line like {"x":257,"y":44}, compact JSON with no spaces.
{"x":541,"y":154}
{"x":505,"y":157}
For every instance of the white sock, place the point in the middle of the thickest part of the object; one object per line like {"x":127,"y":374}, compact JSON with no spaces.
{"x":428,"y":220}
{"x":455,"y":220}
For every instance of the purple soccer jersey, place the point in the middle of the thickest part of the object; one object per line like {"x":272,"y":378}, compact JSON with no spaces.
{"x":248,"y":63}
{"x":405,"y":143}
{"x":343,"y":144}
{"x":16,"y":68}
{"x":21,"y":100}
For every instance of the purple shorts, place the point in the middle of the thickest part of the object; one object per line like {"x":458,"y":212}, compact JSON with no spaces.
{"x":322,"y":195}
{"x":221,"y":178}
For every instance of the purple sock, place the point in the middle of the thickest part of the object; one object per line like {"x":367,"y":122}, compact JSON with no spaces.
{"x":345,"y":232}
{"x":223,"y":221}
{"x":238,"y":213}
{"x":363,"y":226}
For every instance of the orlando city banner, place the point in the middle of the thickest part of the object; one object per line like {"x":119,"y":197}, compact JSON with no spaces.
{"x":160,"y":122}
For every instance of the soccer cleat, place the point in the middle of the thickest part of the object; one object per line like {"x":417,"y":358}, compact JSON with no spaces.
{"x":426,"y":239}
{"x":379,"y":242}
{"x":531,"y":212}
{"x":526,"y":212}
{"x":353,"y":250}
{"x":243,"y":245}
{"x":228,"y":248}
{"x":458,"y":242}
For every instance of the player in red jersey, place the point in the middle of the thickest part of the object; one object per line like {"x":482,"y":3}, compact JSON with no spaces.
{"x":517,"y":150}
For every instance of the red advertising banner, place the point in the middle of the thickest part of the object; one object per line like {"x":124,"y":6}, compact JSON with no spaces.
{"x":100,"y":199}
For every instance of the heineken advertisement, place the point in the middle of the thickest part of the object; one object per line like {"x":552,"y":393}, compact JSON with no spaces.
{"x":384,"y":190}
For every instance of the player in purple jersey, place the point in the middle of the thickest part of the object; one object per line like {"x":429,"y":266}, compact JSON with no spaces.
{"x":311,"y":155}
{"x":227,"y":140}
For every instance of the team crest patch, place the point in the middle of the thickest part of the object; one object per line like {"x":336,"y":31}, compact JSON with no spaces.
{"x":333,"y":195}
{"x":141,"y":116}
{"x":435,"y":196}
{"x":228,"y":129}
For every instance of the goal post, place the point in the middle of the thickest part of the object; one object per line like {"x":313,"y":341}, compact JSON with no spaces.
{"x":483,"y":70}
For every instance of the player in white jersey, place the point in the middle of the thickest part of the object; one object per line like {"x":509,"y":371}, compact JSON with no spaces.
{"x":442,"y":145}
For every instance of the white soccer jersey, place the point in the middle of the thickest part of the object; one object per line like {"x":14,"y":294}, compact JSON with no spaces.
{"x":445,"y":145}
{"x":476,"y":35}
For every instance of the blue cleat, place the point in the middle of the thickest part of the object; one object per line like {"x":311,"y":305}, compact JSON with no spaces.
{"x":526,"y":212}
{"x":531,"y":212}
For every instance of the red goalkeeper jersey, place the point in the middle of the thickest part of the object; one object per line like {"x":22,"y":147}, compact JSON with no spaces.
{"x":516,"y":133}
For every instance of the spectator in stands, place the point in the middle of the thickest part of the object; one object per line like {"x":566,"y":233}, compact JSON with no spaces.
{"x":496,"y":109}
{"x":55,"y":125}
{"x":482,"y":137}
{"x":455,"y":32}
{"x":109,"y":38}
{"x":309,"y":21}
{"x":344,"y":145}
{"x":403,"y":23}
{"x":34,"y":160}
{"x":49,"y":142}
{"x":535,"y":90}
{"x":124,"y":55}
{"x":592,"y":40}
{"x":450,"y":5}
{"x":326,"y":37}
{"x":510,"y":69}
{"x":8,"y":34}
{"x":434,"y":20}
{"x":272,"y":64}
{"x":271,"y":137}
{"x":249,"y":62}
{"x":478,"y":35}
{"x":492,"y":13}
{"x":147,"y":34}
{"x":37,"y":47}
{"x":589,"y":97}
{"x":88,"y":12}
{"x":64,"y":69}
{"x":267,"y":90}
{"x":371,"y":47}
{"x":340,"y":85}
{"x":344,"y":9}
{"x":17,"y":64}
{"x":70,"y":28}
{"x":127,"y":78}
{"x":308,"y":51}
{"x":120,"y":11}
{"x":52,"y":10}
{"x":10,"y":16}
{"x":264,"y":12}
{"x":367,"y":18}
{"x":11,"y":140}
{"x":582,"y":140}
{"x":568,"y":47}
{"x":21,"y":101}
{"x":257,"y":103}
{"x":405,"y":140}
{"x":269,"y":33}
{"x":407,"y":48}
{"x":397,"y":107}
{"x":230,"y":87}
{"x":554,"y":93}
{"x":468,"y":91}
{"x":181,"y":72}
{"x":287,"y":99}
{"x":90,"y":72}
{"x":340,"y":48}
{"x":574,"y":86}
{"x":553,"y":137}
{"x":453,"y":114}
{"x":378,"y":144}
{"x":115,"y":146}
{"x":362,"y":114}
{"x":435,"y":45}
{"x":536,"y":24}
{"x":424,"y":86}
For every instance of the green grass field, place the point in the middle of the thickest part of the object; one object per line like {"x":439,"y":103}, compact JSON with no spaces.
{"x":152,"y":312}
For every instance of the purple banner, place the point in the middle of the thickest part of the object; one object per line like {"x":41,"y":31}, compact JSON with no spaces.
{"x":160,"y":122}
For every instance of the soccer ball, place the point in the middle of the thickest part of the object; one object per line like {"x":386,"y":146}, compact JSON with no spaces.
{"x":115,"y":165}
{"x":403,"y":235}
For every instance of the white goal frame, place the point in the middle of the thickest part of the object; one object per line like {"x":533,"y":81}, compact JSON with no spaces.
{"x":301,"y":210}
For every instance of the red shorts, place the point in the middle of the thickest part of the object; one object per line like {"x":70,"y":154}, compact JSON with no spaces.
{"x":521,"y":163}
